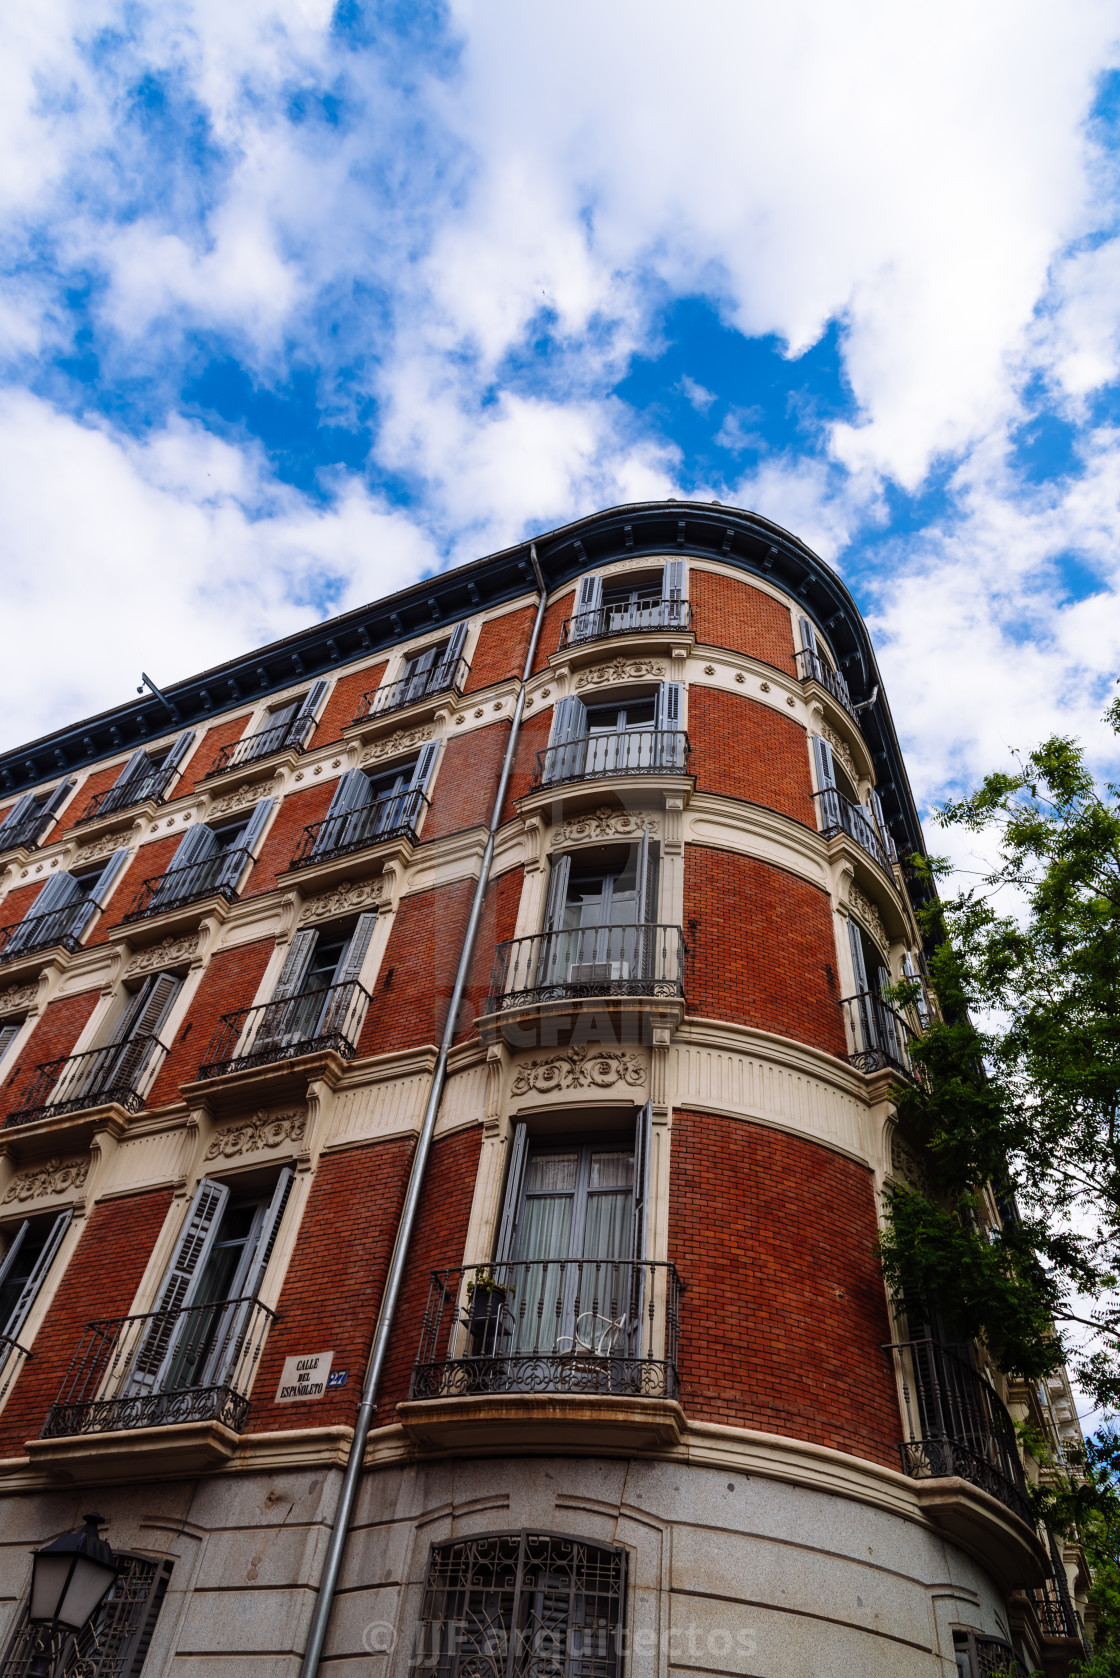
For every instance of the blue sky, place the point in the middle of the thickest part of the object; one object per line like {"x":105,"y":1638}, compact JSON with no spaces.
{"x":304,"y":301}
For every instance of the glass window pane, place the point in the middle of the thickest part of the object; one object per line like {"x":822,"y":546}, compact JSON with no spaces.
{"x":552,"y":1173}
{"x":612,"y":1171}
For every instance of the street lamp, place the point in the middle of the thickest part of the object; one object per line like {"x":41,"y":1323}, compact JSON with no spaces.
{"x":71,"y":1578}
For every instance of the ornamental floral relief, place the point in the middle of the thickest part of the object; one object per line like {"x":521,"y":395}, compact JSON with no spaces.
{"x":249,"y":792}
{"x":578,"y":1069}
{"x":168,"y":953}
{"x":56,"y":1177}
{"x":18,"y":996}
{"x":342,"y":900}
{"x":842,"y":750}
{"x":263,"y":1130}
{"x":606,"y":822}
{"x":404,"y":740}
{"x":864,"y":910}
{"x":621,"y":670}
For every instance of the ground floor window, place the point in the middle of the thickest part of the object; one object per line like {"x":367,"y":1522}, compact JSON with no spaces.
{"x":116,"y":1642}
{"x":521,"y":1605}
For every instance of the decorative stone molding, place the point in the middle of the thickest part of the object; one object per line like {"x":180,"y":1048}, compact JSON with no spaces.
{"x":98,"y":848}
{"x":402,"y":741}
{"x":907,"y":1162}
{"x":621,"y":670}
{"x":606,"y":822}
{"x":864,"y":910}
{"x":170,"y":952}
{"x":263,"y":1130}
{"x":579,"y":1069}
{"x":56,"y":1177}
{"x":249,"y":792}
{"x":843,"y":751}
{"x":18,"y":996}
{"x":342,"y":900}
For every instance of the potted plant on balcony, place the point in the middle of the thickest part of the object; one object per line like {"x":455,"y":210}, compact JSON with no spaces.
{"x":486,"y":1302}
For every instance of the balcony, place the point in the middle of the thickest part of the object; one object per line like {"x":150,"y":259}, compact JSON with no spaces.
{"x":444,"y":678}
{"x":58,"y":929}
{"x":186,"y":1372}
{"x":25,"y":834}
{"x":880,"y":1037}
{"x":958,"y":1425}
{"x":838,"y":814}
{"x":113,"y":1076}
{"x":147,"y":787}
{"x":1058,"y":1620}
{"x":603,"y":756}
{"x":651,"y":616}
{"x":215,"y":876}
{"x":812,"y":668}
{"x":253,"y":748}
{"x":548,"y":1352}
{"x":393,"y":817}
{"x":590,"y":961}
{"x":328,"y":1020}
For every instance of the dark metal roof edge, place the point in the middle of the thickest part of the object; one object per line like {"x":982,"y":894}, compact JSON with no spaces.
{"x":764,"y":549}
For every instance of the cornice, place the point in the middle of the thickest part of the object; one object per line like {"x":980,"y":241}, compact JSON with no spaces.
{"x":743,"y":540}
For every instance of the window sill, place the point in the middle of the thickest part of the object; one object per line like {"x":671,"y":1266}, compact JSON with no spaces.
{"x":618,"y":1021}
{"x":542,"y":1422}
{"x":63,"y":1132}
{"x":285,"y":760}
{"x":626,"y":647}
{"x":274,"y":1081}
{"x":123,"y":821}
{"x":1002,"y":1543}
{"x":143,"y":1453}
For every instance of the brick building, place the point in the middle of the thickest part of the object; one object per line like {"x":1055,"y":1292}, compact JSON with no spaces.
{"x":640,"y":1402}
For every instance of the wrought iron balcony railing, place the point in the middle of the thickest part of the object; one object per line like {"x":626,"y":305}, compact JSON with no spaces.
{"x":135,"y":789}
{"x":635,"y":617}
{"x":58,"y":928}
{"x":589,"y":961}
{"x":596,"y":756}
{"x":328,"y":1018}
{"x":550,"y":1326}
{"x":812,"y":668}
{"x":839,"y":815}
{"x":986,"y":1657}
{"x":26,"y":832}
{"x":215,"y":876}
{"x":395,"y":816}
{"x":1053,"y":1605}
{"x":195,"y":1364}
{"x":449,"y":676}
{"x":13,"y":1356}
{"x":119,"y":1072}
{"x":957,"y":1424}
{"x":252,"y":747}
{"x":880,"y":1036}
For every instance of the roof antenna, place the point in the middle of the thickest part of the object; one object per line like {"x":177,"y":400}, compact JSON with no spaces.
{"x":146,"y":682}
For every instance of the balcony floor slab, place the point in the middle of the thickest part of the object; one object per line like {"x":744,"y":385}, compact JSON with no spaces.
{"x":275,"y":1081}
{"x":546,"y":1422}
{"x":144,"y":1453}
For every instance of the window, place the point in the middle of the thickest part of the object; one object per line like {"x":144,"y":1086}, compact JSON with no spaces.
{"x":371,"y":805}
{"x":601,"y":906}
{"x":30,"y":816}
{"x":632,"y":602}
{"x":30,"y":1250}
{"x":631,"y":734}
{"x":121,"y":1069}
{"x":433,"y":670}
{"x":208,"y":860}
{"x":117,"y":1642}
{"x":521,"y":1605}
{"x":317,"y":999}
{"x":290,"y":723}
{"x":147,"y":774}
{"x":64,"y":908}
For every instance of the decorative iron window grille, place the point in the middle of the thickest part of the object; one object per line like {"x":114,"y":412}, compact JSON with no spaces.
{"x":642,"y":959}
{"x":115,"y":1645}
{"x":550,"y":1325}
{"x":986,"y":1657}
{"x":1056,"y":1613}
{"x":880,"y":1036}
{"x":328,"y":1018}
{"x":958,"y":1425}
{"x":632,"y":617}
{"x":191,"y":1364}
{"x":521,"y":1605}
{"x":639,"y":751}
{"x":812,"y":668}
{"x":839,"y":815}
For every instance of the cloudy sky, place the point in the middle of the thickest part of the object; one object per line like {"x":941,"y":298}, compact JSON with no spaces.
{"x":305,"y":300}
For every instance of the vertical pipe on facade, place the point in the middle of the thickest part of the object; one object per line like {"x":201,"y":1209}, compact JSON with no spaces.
{"x":340,"y":1527}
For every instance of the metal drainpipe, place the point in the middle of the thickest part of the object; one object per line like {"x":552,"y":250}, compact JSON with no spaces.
{"x":340,"y":1528}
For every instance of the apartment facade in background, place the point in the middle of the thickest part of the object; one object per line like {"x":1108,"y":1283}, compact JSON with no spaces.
{"x":645,"y":1407}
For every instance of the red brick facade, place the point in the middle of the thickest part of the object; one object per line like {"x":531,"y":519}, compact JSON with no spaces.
{"x":501,"y":648}
{"x":54,"y":1036}
{"x":283,"y":839}
{"x":761,"y":950}
{"x":784,"y":1318}
{"x":741,"y":749}
{"x":466,"y":781}
{"x":230,"y":982}
{"x":201,"y":760}
{"x":343,"y":702}
{"x":728,"y":613}
{"x":149,"y":862}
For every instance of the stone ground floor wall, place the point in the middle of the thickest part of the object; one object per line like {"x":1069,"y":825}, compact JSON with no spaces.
{"x":727,"y":1572}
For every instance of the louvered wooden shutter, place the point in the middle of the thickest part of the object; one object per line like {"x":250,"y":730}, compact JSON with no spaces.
{"x":557,"y":893}
{"x":161,"y":991}
{"x":234,"y":861}
{"x":425,"y":764}
{"x":915,"y":978}
{"x":670,"y":710}
{"x":231,"y":1325}
{"x":59,"y":890}
{"x":453,"y":652}
{"x":308,"y":713}
{"x":350,"y":962}
{"x":29,"y":1293}
{"x":808,"y":636}
{"x":21,"y":808}
{"x":643,"y":1141}
{"x":134,"y":770}
{"x":53,"y":803}
{"x":589,"y":599}
{"x":296,"y":963}
{"x":859,"y":967}
{"x":157,"y":1348}
{"x":672,"y":580}
{"x":8,"y":1035}
{"x":198,"y":845}
{"x":342,"y":1012}
{"x":569,"y":721}
{"x":515,"y":1179}
{"x":153,"y":1002}
{"x":161,"y":778}
{"x":351,"y":793}
{"x":826,"y":774}
{"x":258,"y":1263}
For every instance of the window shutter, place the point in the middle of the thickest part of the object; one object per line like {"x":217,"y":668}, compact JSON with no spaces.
{"x":342,"y":1010}
{"x":808,"y":636}
{"x":15,"y":817}
{"x":567,"y":740}
{"x":160,"y":779}
{"x":589,"y":599}
{"x":351,"y":793}
{"x":557,"y":893}
{"x":296,"y":963}
{"x":425,"y":764}
{"x":643,"y":1136}
{"x":150,"y":1007}
{"x":22,"y":1308}
{"x":135,"y":769}
{"x":158,"y":994}
{"x":234,"y":861}
{"x":670,"y":709}
{"x":8,"y":1035}
{"x":198,"y":844}
{"x":246,"y":1285}
{"x":308,"y":713}
{"x":54,"y":803}
{"x":881,"y":822}
{"x":672,"y":580}
{"x":250,"y":1285}
{"x":914,"y":978}
{"x":515,"y":1178}
{"x":59,"y":890}
{"x":453,"y":652}
{"x":859,"y":968}
{"x":350,"y":962}
{"x":180,"y":1283}
{"x":826,"y":774}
